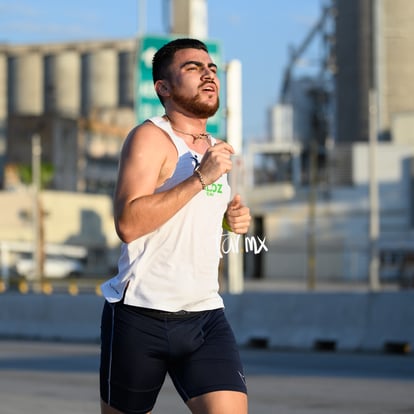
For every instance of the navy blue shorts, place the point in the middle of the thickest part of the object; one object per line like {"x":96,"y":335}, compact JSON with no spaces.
{"x":138,"y":349}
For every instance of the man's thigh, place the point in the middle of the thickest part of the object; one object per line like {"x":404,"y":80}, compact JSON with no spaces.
{"x":132,"y":368}
{"x":214,"y":366}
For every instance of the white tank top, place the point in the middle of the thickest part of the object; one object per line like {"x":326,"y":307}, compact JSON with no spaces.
{"x":176,"y":266}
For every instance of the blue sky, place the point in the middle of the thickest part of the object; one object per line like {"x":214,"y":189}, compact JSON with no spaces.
{"x":258,"y":33}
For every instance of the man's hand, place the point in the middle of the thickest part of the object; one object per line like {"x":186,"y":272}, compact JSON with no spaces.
{"x":216,"y":162}
{"x":238,"y":215}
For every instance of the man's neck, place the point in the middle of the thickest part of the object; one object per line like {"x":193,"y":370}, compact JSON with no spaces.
{"x":187,"y":124}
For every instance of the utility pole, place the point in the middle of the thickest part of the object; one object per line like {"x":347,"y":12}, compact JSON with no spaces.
{"x":311,"y":248}
{"x":316,"y":143}
{"x":373,"y":195}
{"x":37,"y":209}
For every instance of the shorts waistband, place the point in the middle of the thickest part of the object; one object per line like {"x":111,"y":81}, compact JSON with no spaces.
{"x":163,"y":314}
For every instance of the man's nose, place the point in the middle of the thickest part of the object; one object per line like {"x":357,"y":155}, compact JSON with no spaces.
{"x":208,"y":73}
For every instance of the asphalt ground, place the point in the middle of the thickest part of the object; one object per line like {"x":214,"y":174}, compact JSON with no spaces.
{"x":51,"y":378}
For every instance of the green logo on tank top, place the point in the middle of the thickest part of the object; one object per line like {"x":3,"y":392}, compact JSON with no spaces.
{"x":212,"y":189}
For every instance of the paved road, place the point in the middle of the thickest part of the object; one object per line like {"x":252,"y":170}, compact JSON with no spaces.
{"x":61,"y":378}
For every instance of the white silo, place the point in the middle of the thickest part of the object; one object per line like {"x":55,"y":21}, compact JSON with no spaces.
{"x":101,"y":79}
{"x":67,"y":82}
{"x":28,"y":87}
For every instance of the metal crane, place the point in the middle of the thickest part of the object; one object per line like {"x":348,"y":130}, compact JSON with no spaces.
{"x":296,"y":53}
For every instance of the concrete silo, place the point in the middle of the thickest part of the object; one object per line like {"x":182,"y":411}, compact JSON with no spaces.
{"x":100,"y":80}
{"x":67,"y":80}
{"x":28,"y":86}
{"x":354,"y":78}
{"x":374,"y":41}
{"x":395,"y":62}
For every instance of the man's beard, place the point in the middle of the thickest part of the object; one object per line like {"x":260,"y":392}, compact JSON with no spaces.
{"x":194,"y":105}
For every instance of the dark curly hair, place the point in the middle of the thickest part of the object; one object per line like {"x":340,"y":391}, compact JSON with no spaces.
{"x":165,"y":55}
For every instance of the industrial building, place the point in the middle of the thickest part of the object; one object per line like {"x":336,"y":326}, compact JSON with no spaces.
{"x":366,"y":46}
{"x":351,"y":211}
{"x":79,"y":97}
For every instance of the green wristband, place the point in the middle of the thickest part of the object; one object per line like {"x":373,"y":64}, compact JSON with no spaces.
{"x":225,"y":225}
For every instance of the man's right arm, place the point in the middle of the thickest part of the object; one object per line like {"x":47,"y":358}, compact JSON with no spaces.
{"x":144,"y":167}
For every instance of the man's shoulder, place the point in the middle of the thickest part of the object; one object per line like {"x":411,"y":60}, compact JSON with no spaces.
{"x":148,"y":137}
{"x":146,"y":130}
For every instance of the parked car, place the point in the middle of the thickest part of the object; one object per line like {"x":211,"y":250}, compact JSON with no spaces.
{"x":55,"y":267}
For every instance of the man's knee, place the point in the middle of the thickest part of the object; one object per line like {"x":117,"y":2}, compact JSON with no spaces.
{"x":219,"y":402}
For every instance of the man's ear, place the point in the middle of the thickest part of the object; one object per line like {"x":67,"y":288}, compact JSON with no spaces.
{"x":162,"y":88}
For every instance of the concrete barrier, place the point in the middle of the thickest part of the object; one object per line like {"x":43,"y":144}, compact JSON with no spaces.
{"x":349,"y":321}
{"x":288,"y":320}
{"x":50,"y":317}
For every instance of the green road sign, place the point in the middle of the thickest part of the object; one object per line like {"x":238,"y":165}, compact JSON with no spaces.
{"x":147,"y":103}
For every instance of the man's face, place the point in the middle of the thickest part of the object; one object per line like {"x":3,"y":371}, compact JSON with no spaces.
{"x":194,"y":85}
